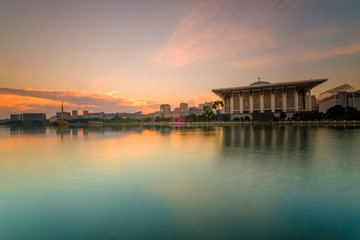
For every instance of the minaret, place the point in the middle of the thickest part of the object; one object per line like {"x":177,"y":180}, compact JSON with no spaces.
{"x":62,"y":110}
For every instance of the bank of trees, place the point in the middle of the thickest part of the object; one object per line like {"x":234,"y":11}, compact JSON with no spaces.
{"x":337,"y":113}
{"x":340,"y":113}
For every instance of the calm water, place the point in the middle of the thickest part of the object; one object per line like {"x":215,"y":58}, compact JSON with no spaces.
{"x":190,"y":183}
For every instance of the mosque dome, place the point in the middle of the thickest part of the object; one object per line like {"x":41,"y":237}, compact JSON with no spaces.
{"x":259,"y":83}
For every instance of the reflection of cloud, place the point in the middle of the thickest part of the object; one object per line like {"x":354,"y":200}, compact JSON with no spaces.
{"x":20,"y":100}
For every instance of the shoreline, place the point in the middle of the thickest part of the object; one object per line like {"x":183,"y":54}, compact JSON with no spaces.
{"x":207,"y":124}
{"x":280,"y":123}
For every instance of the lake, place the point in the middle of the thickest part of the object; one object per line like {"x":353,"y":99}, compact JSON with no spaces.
{"x":239,"y":182}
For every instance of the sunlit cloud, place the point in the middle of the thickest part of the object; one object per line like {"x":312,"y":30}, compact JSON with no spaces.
{"x":203,"y":34}
{"x":49,"y":102}
{"x":30,"y":100}
{"x":296,"y":57}
{"x":200,"y":35}
{"x":337,"y":51}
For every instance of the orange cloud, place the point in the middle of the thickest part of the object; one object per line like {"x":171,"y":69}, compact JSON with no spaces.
{"x":25,"y":103}
{"x":32,"y":100}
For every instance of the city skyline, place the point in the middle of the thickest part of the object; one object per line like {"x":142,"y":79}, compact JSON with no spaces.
{"x":132,"y":56}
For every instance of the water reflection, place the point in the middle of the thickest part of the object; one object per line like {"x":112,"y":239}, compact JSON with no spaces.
{"x":266,"y":142}
{"x":27,"y":130}
{"x":239,"y":182}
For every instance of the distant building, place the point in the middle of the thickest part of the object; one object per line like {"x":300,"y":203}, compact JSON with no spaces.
{"x":199,"y":110}
{"x":164,"y":108}
{"x":74,"y":114}
{"x":15,"y":117}
{"x":184,"y":107}
{"x":66,"y":115}
{"x":174,"y":115}
{"x":195,"y":110}
{"x":205,"y":104}
{"x":96,"y":115}
{"x":343,"y":95}
{"x":85,"y":114}
{"x":180,"y":112}
{"x":155,"y":115}
{"x":129,"y":115}
{"x":28,"y":117}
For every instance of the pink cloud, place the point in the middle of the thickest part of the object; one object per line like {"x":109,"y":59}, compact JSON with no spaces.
{"x":337,"y":51}
{"x":297,"y":56}
{"x":199,"y":35}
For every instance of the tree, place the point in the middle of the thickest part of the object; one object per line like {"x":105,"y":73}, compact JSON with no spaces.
{"x":336,"y":112}
{"x":207,"y":114}
{"x":191,"y":118}
{"x":217,"y":105}
{"x":352,"y":113}
{"x":282,"y":116}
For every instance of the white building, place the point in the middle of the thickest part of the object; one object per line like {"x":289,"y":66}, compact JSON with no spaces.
{"x":343,"y":95}
{"x":261,"y":97}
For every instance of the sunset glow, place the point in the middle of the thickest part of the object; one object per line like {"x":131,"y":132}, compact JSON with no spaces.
{"x":126,"y":56}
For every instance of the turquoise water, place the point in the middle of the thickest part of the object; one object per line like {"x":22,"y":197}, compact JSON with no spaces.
{"x":180,"y":183}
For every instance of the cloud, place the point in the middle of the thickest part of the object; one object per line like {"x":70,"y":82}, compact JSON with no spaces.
{"x":337,"y":51}
{"x":196,"y":98}
{"x":209,"y":30}
{"x":297,"y":56}
{"x":201,"y":35}
{"x":49,"y":102}
{"x":32,"y":100}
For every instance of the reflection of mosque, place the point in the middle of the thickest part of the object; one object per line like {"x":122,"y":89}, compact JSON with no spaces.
{"x":281,"y":141}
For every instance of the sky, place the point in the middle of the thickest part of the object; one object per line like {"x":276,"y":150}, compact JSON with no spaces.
{"x":128,"y":56}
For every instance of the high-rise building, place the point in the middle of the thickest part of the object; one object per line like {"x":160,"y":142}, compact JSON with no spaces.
{"x":184,"y":107}
{"x":164,"y":108}
{"x":74,"y":114}
{"x":85,"y":114}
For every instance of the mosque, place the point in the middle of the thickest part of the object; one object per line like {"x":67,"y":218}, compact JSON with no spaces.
{"x":266,"y":97}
